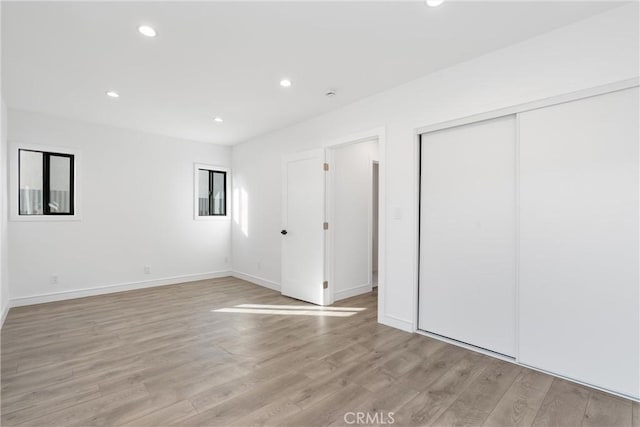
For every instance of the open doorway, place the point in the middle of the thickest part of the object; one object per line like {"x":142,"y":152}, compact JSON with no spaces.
{"x":353,"y":218}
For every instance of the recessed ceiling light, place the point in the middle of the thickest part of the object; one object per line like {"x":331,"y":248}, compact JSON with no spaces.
{"x":218,"y":120}
{"x":434,"y":3}
{"x":285,"y":83}
{"x":147,"y":31}
{"x":113,"y":94}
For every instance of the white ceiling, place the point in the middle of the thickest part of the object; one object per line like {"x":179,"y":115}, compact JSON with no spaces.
{"x":226,"y":58}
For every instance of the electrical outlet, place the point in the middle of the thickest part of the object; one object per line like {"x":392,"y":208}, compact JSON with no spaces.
{"x":226,"y":260}
{"x":54,"y":279}
{"x":147,"y":269}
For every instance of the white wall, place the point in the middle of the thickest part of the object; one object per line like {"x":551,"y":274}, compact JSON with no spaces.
{"x":593,"y":52}
{"x":4,"y":276}
{"x":136,"y":204}
{"x":4,"y":283}
{"x":350,"y":222}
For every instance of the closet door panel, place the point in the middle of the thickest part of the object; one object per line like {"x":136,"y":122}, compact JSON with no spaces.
{"x":467,"y":234}
{"x":579,"y":285}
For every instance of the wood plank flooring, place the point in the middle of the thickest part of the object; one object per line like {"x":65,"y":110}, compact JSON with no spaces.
{"x":225,"y":352}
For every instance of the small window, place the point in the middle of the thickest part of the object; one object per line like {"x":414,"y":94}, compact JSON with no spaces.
{"x":45,"y":183}
{"x":212,"y":192}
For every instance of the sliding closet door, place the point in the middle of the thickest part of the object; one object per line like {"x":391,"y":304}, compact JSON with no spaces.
{"x":467,"y":234}
{"x":579,"y":289}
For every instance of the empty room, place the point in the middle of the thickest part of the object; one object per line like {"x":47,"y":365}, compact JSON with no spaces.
{"x":320,"y":213}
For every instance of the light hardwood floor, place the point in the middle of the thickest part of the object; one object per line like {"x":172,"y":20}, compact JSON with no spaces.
{"x":165,"y":356}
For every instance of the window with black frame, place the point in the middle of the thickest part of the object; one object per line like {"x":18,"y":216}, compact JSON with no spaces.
{"x":46,"y":183}
{"x":212,"y":188}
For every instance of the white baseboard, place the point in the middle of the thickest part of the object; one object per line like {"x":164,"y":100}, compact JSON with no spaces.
{"x":397,"y":323}
{"x":5,"y":311}
{"x":257,"y":280}
{"x":352,"y":292}
{"x":120,"y":287}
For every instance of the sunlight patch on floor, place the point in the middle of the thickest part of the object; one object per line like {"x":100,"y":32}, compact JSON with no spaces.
{"x":291,"y":310}
{"x":301,"y":307}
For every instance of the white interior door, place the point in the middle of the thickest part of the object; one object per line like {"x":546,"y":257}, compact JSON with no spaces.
{"x":303,"y":238}
{"x":579,"y":195}
{"x":467,"y":234}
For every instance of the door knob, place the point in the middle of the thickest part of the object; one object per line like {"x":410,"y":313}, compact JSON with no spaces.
{"x":283,"y":232}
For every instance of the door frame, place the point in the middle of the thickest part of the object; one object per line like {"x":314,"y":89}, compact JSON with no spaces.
{"x":374,"y":163}
{"x":488,"y":115}
{"x":377,"y":134}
